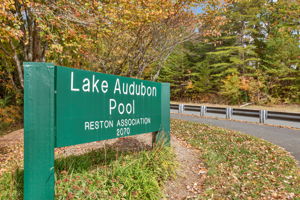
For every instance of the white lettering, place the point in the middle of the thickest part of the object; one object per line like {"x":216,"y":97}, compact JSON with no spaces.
{"x":149,"y":91}
{"x":95,"y":84}
{"x":133,"y":107}
{"x":154,"y":91}
{"x":72,"y":83}
{"x":117,"y":86}
{"x":96,"y":125}
{"x":131,"y":88}
{"x":112,"y":107}
{"x":143,"y":90}
{"x":128,"y":108}
{"x":92,"y":125}
{"x":104,"y":87}
{"x":121,"y":108}
{"x":86,"y":126}
{"x":86,"y":85}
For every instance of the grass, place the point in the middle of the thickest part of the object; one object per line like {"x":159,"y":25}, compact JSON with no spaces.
{"x":241,"y":166}
{"x":103,"y":174}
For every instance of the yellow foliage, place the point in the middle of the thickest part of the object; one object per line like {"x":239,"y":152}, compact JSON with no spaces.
{"x":244,"y":81}
{"x":231,"y":88}
{"x":189,"y":85}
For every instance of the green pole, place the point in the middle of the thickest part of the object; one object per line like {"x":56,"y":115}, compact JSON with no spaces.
{"x":39,"y":131}
{"x":163,"y":136}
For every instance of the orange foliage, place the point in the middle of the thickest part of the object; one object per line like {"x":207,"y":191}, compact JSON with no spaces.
{"x":10,"y":115}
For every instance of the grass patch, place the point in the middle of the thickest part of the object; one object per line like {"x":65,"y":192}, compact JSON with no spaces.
{"x":103,"y":174}
{"x":241,"y":166}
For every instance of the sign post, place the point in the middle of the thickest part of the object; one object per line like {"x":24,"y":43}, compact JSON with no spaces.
{"x":39,"y":130}
{"x":65,"y":106}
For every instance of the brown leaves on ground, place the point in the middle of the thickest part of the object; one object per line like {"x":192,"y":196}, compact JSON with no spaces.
{"x":190,"y":175}
{"x":12,"y":148}
{"x":11,"y":151}
{"x":11,"y":156}
{"x":241,"y":166}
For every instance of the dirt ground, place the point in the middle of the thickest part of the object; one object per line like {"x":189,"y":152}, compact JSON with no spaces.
{"x":190,"y":173}
{"x":11,"y":151}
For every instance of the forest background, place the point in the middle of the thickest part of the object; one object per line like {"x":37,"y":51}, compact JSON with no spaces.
{"x":215,"y":51}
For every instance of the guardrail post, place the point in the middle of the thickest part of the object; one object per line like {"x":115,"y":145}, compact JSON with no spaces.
{"x":262,"y":116}
{"x":228,"y":113}
{"x":181,"y":108}
{"x":202,"y":111}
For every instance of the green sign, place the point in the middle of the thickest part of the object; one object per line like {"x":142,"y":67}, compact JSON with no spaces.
{"x":94,"y":106}
{"x":65,"y":106}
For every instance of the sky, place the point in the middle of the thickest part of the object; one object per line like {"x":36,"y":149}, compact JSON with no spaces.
{"x":197,"y":10}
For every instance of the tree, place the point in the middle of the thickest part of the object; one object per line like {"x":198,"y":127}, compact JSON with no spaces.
{"x":256,"y":46}
{"x":281,"y":53}
{"x":127,"y":37}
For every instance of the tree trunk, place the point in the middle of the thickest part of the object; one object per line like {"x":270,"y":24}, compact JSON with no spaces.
{"x":157,"y":73}
{"x":18,"y":64}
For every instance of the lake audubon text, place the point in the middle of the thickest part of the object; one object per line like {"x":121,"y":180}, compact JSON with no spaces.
{"x":93,"y":85}
{"x":96,"y":86}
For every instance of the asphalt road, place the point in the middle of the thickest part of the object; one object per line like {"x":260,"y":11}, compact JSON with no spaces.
{"x":287,"y":138}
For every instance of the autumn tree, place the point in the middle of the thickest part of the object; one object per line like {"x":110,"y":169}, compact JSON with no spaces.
{"x":127,"y":37}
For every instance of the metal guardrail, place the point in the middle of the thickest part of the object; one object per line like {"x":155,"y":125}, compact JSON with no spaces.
{"x":262,"y":115}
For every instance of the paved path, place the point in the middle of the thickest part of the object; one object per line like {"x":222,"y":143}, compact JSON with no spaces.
{"x":284,"y":137}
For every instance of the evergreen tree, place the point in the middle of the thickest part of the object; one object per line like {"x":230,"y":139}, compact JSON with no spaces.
{"x":255,"y":58}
